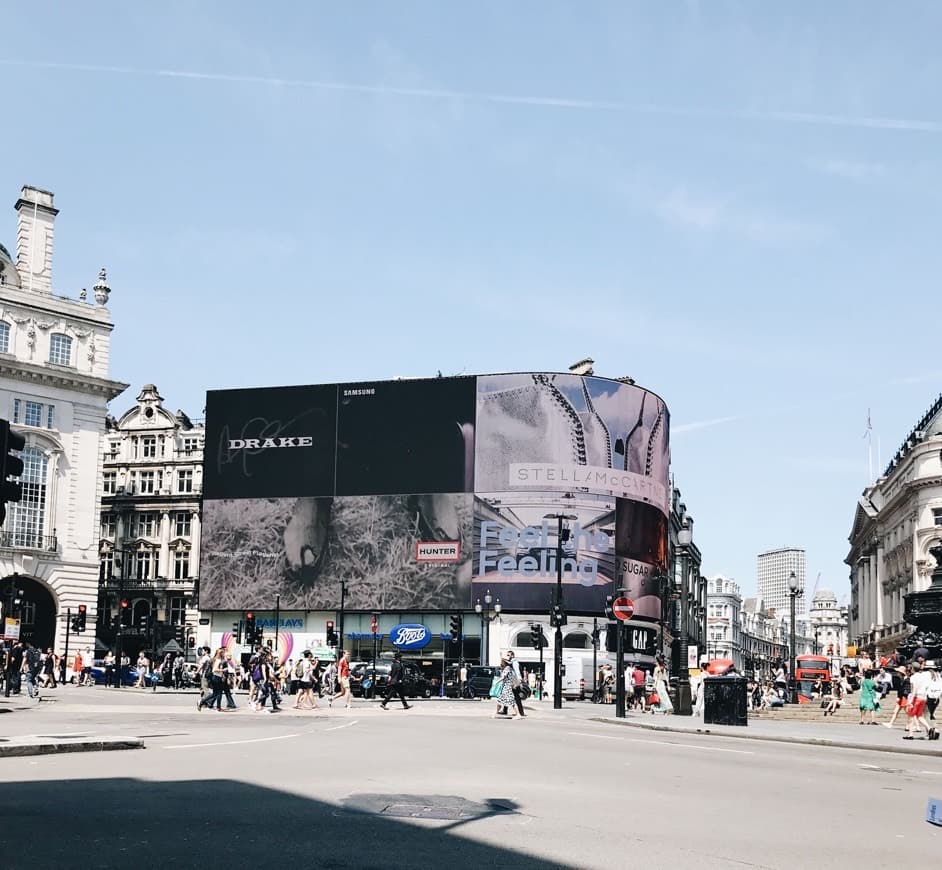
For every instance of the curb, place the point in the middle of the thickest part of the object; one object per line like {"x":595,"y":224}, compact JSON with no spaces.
{"x":20,"y":750}
{"x":807,"y":741}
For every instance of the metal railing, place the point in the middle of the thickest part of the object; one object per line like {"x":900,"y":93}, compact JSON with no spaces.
{"x":28,"y":541}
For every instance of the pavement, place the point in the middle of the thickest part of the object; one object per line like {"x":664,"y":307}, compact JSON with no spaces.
{"x":446,"y":782}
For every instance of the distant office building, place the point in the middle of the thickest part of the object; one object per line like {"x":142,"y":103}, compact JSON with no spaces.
{"x":773,"y":570}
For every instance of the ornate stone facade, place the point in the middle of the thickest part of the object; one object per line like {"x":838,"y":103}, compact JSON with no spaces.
{"x":54,"y":390}
{"x":897,"y":520}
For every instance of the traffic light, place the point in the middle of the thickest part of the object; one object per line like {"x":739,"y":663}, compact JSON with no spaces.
{"x":596,"y":635}
{"x":374,"y":624}
{"x":536,"y":635}
{"x":125,"y":612}
{"x":558,"y":616}
{"x":78,"y":623}
{"x":331,"y":634}
{"x":610,"y":608}
{"x":179,"y":635}
{"x":191,"y":642}
{"x":250,"y":627}
{"x":456,"y":627}
{"x":237,"y":631}
{"x":142,"y":621}
{"x":10,"y":466}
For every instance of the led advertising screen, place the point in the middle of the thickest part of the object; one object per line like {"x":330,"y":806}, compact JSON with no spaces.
{"x":421,"y":495}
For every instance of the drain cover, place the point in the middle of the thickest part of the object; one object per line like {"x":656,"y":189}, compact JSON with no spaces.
{"x":413,"y":806}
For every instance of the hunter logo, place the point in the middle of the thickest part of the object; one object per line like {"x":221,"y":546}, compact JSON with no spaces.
{"x":266,"y":443}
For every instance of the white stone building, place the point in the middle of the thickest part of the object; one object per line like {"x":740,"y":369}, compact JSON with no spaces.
{"x":724,"y":620}
{"x":152,"y":479}
{"x":773,"y":569}
{"x":54,"y":390}
{"x":828,"y":624}
{"x":897,"y":520}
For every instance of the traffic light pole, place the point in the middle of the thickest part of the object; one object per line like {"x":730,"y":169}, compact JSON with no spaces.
{"x":620,"y":672}
{"x":277,"y":621}
{"x":343,"y":601}
{"x":68,"y":627}
{"x":595,"y":658}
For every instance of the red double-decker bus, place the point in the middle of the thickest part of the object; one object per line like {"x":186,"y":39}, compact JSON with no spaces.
{"x":808,"y":670}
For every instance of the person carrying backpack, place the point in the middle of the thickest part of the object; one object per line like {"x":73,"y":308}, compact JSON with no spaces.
{"x":31,"y":666}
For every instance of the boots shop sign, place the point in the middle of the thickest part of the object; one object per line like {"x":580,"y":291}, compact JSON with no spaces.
{"x":410,"y":636}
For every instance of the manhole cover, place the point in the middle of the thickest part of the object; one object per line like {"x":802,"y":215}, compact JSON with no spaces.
{"x":443,"y":807}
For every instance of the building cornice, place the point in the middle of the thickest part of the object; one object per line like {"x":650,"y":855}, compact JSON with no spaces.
{"x":61,"y":377}
{"x":61,"y":306}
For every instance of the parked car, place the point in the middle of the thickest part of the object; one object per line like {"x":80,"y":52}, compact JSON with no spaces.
{"x":128,"y":676}
{"x":414,"y":683}
{"x":479,"y":681}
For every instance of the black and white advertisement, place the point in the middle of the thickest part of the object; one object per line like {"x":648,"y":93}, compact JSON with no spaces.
{"x":421,"y":495}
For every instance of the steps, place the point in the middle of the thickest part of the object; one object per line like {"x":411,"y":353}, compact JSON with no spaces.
{"x":847,"y":713}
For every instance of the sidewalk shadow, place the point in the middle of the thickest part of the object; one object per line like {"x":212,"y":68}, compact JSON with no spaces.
{"x":208,"y":824}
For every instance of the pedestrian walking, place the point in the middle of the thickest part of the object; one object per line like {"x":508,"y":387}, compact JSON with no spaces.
{"x":661,"y":683}
{"x":49,"y":669}
{"x":518,"y":681}
{"x":343,"y":675}
{"x":266,"y":684}
{"x":505,"y":696}
{"x":934,"y":692}
{"x":108,"y":663}
{"x":88,"y":660}
{"x":31,"y":666}
{"x":394,"y":686}
{"x":216,"y":678}
{"x":919,"y":683}
{"x":902,"y":695}
{"x":305,"y":698}
{"x":868,"y":699}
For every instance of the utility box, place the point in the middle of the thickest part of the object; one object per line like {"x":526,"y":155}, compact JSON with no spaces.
{"x":724,"y":700}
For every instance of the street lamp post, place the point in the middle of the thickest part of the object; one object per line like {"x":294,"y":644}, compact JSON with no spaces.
{"x":684,"y":539}
{"x":343,"y":602}
{"x":558,"y":610}
{"x":488,"y":615}
{"x":793,"y":593}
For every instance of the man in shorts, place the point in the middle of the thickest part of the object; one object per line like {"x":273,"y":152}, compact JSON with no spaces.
{"x":343,"y":675}
{"x":637,"y":680}
{"x":919,"y":682}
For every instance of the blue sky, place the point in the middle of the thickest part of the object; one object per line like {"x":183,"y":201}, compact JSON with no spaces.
{"x":735,"y":203}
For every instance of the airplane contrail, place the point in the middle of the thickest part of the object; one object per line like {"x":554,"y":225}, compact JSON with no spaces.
{"x":808,"y":118}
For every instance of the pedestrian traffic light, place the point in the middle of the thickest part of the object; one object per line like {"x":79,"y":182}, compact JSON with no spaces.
{"x":249,"y":626}
{"x":10,"y":466}
{"x":331,"y":634}
{"x":536,"y":635}
{"x":456,"y":627}
{"x":125,"y":612}
{"x":237,"y":631}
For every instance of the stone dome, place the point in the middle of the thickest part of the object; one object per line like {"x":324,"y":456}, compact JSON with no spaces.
{"x":823,"y":596}
{"x":8,"y":271}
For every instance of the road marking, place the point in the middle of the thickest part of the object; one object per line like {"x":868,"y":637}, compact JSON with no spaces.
{"x":587,"y":734}
{"x":231,"y":742}
{"x":338,"y":727}
{"x":689,"y":746}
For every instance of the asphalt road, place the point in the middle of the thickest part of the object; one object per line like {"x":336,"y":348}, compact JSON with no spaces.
{"x":444,"y":784}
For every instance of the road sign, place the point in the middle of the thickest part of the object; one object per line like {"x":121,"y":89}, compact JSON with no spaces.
{"x":623,"y":608}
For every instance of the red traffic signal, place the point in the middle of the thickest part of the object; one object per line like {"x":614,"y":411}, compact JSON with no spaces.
{"x":249,"y":614}
{"x":83,"y":609}
{"x":373,"y":624}
{"x":191,"y":642}
{"x":125,"y":604}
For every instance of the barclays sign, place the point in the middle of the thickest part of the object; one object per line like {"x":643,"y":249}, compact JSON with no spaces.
{"x":410,"y":636}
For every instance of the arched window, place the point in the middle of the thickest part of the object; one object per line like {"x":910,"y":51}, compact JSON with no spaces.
{"x":4,"y":337}
{"x":576,"y":640}
{"x":60,"y":349}
{"x":27,"y":517}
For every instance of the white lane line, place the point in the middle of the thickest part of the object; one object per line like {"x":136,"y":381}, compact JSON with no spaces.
{"x":690,"y":746}
{"x":932,"y":772}
{"x":231,"y":742}
{"x":587,"y":734}
{"x":347,"y":725}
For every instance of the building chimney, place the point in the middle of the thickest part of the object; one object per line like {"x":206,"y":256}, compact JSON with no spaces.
{"x":35,"y":217}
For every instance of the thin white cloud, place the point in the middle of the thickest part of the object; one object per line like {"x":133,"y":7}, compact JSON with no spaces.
{"x":855,"y":170}
{"x":915,"y":125}
{"x":703,"y":424}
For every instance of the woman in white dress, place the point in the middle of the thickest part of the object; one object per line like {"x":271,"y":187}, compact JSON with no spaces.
{"x":661,"y":686}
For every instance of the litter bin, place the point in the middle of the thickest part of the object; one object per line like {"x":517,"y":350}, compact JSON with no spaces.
{"x":724,"y":700}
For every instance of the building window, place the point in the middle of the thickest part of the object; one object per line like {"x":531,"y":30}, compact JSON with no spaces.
{"x":147,"y":482}
{"x":108,"y":525}
{"x":4,"y":337}
{"x":149,"y":447}
{"x":937,"y":516}
{"x":33,"y":415}
{"x":109,"y":482}
{"x":181,"y":564}
{"x":106,"y":566}
{"x":190,"y":446}
{"x":177,"y":610}
{"x":144,"y":564}
{"x":185,"y":480}
{"x":145,"y":525}
{"x":182,"y":525}
{"x":60,"y":349}
{"x":27,"y":516}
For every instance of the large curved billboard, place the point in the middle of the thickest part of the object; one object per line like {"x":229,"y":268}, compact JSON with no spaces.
{"x":422,"y":495}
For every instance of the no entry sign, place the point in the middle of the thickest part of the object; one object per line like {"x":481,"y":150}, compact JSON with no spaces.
{"x":623,"y":608}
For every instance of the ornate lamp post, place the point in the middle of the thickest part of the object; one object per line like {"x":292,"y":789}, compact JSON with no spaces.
{"x":793,"y":593}
{"x":684,"y":538}
{"x":488,"y":614}
{"x":558,"y":610}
